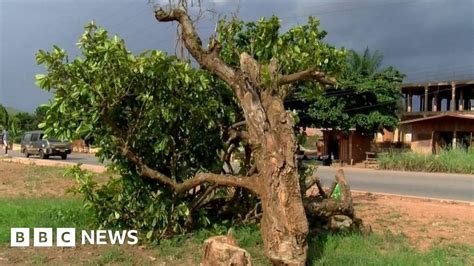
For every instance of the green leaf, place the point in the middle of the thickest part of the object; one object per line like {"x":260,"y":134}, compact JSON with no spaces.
{"x":149,"y":234}
{"x":39,"y":80}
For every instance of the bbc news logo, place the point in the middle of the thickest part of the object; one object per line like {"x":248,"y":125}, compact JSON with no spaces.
{"x":66,"y":237}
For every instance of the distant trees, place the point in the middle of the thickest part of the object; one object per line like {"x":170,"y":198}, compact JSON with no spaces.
{"x":367,"y":97}
{"x":17,"y":123}
{"x":25,"y":121}
{"x":4,"y":117}
{"x":366,"y":63}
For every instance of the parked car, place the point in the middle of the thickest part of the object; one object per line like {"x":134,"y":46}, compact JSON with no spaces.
{"x":34,"y":143}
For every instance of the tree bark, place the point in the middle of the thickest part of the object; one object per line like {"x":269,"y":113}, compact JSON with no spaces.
{"x":332,"y":213}
{"x":284,"y":225}
{"x":222,"y":250}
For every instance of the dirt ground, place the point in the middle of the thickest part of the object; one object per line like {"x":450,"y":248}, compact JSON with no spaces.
{"x":90,"y":255}
{"x":60,"y":164}
{"x":21,"y":180}
{"x":424,"y":222}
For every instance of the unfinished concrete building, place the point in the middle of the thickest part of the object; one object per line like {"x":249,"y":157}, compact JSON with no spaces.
{"x":437,"y":116}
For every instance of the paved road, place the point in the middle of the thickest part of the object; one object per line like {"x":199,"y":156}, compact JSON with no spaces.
{"x":433,"y":185}
{"x":72,"y":158}
{"x":443,"y":186}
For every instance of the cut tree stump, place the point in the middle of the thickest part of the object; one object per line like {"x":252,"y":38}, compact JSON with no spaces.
{"x":223,"y":250}
{"x":326,"y":212}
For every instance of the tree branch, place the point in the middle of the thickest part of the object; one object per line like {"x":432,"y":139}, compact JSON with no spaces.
{"x":199,"y":200}
{"x":309,"y":74}
{"x":249,"y":183}
{"x":198,"y":179}
{"x":225,"y":158}
{"x":239,"y":124}
{"x":208,"y":59}
{"x":309,"y":182}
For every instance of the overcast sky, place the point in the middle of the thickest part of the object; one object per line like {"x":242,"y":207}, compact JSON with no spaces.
{"x":425,"y":39}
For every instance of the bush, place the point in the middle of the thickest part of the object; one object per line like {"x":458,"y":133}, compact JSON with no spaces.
{"x":449,"y":161}
{"x":148,"y":109}
{"x":128,"y":202}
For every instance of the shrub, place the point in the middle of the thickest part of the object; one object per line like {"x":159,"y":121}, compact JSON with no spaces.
{"x":128,"y":202}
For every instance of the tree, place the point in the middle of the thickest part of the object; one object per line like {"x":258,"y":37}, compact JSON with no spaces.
{"x":269,"y":65}
{"x":149,"y":113}
{"x":366,"y":97}
{"x":153,"y":115}
{"x":4,"y":117}
{"x":25,"y":121}
{"x":40,"y":115}
{"x":366,"y":64}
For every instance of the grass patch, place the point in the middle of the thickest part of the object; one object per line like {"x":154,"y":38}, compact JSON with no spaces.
{"x":328,"y":249}
{"x":449,"y":161}
{"x":41,"y":212}
{"x":325,"y":249}
{"x":20,"y":180}
{"x":39,"y":259}
{"x":357,"y":249}
{"x":33,"y":171}
{"x":113,"y":256}
{"x":41,"y":171}
{"x":189,"y":246}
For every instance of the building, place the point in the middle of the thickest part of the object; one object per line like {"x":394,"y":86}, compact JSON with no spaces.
{"x":434,"y":133}
{"x":438,"y":115}
{"x":348,"y":147}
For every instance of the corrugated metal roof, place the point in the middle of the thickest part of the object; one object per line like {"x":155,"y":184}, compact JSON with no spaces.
{"x":455,"y":115}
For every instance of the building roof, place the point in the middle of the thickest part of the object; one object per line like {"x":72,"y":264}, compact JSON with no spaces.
{"x":450,"y":114}
{"x":437,"y":83}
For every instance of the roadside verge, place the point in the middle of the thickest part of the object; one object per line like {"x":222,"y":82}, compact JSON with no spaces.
{"x":31,"y":161}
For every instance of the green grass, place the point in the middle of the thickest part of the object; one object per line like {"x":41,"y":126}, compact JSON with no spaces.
{"x":325,"y":249}
{"x":41,"y":212}
{"x":114,"y":255}
{"x":449,"y":161}
{"x":39,"y":259}
{"x":333,"y":249}
{"x":357,"y":249}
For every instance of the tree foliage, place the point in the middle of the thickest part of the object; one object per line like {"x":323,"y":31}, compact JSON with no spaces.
{"x":167,"y":112}
{"x":299,"y":48}
{"x":366,"y":97}
{"x":4,"y":117}
{"x":25,"y":121}
{"x":19,"y":122}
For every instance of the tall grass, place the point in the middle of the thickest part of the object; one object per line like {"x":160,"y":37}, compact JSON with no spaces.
{"x":449,"y":161}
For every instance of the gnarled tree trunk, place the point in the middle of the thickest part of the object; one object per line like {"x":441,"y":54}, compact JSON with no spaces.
{"x":284,"y":225}
{"x":269,"y":133}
